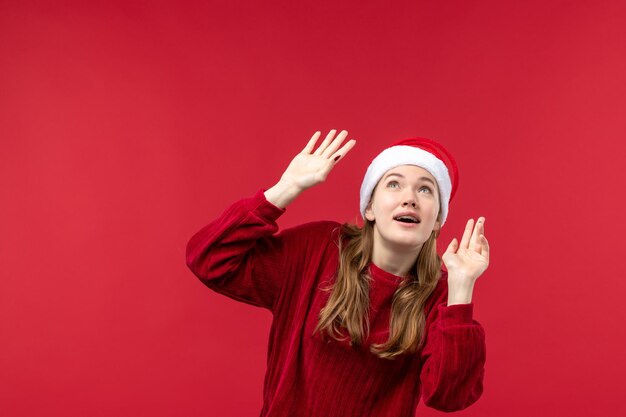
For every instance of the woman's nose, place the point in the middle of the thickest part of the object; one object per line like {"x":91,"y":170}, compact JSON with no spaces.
{"x":410,"y":201}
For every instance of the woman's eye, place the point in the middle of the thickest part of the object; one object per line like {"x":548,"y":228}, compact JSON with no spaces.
{"x":426,"y":188}
{"x":392,"y":182}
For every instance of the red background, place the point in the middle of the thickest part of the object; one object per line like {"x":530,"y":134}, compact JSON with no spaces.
{"x":127,"y":126}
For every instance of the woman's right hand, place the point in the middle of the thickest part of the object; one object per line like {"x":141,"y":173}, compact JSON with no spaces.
{"x":309,"y":168}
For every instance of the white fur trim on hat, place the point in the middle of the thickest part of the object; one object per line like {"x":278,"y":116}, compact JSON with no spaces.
{"x":407,"y":155}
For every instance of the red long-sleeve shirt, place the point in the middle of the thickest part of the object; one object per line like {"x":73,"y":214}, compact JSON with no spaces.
{"x":241,"y":256}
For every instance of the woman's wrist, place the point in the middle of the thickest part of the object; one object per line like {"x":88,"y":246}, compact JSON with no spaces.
{"x":282,"y":194}
{"x":459,"y":293}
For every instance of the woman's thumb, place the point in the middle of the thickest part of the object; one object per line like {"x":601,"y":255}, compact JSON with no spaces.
{"x":452,"y":246}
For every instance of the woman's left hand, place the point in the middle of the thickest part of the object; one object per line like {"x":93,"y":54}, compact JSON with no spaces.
{"x":465,"y":263}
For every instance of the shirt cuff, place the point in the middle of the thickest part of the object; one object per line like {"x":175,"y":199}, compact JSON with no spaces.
{"x":264,"y":209}
{"x":456,"y":314}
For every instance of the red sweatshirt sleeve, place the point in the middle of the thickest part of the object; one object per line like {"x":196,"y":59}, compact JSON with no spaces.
{"x":238,"y":255}
{"x":453,"y":357}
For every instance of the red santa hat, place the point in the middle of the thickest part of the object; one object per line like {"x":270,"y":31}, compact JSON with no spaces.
{"x":422,"y":152}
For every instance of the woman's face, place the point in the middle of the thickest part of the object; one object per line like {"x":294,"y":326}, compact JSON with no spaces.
{"x":404,"y":189}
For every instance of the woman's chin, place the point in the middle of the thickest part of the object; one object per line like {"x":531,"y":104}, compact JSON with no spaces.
{"x":408,"y":242}
{"x":404,"y":238}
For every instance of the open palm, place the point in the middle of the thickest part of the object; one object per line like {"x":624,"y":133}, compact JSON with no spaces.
{"x":311,"y":168}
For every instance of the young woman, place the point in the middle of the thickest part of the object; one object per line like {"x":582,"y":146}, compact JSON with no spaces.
{"x":365,"y":320}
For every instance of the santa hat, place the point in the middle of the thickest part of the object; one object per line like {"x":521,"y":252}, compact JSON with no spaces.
{"x":422,"y":152}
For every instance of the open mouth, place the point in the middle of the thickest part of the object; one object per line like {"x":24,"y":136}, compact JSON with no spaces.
{"x":407,"y":219}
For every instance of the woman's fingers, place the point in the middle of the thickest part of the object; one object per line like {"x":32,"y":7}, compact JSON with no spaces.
{"x":327,"y":140}
{"x":452,"y":247}
{"x":309,"y":146}
{"x":335,"y":144}
{"x":328,"y":148}
{"x":485,"y":248}
{"x":479,"y":229}
{"x":467,"y":234}
{"x":343,"y":151}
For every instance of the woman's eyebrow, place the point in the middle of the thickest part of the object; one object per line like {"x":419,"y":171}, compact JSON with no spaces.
{"x":402,"y":176}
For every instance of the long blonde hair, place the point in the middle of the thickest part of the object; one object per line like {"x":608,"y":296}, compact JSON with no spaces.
{"x":348,"y":304}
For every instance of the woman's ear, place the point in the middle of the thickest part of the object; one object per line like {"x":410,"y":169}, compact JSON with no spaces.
{"x":369,"y":213}
{"x":437,"y":228}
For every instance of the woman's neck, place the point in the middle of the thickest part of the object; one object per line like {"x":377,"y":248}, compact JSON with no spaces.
{"x":394,"y":260}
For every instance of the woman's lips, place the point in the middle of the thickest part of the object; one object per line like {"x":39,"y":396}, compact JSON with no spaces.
{"x":406,"y":224}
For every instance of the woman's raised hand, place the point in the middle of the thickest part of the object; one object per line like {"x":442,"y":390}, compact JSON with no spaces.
{"x":309,"y":167}
{"x":466,"y":262}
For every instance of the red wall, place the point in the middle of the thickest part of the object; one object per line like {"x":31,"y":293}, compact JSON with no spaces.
{"x":124,"y":128}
